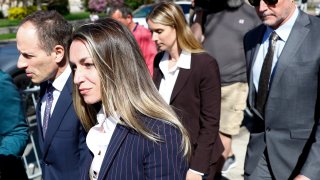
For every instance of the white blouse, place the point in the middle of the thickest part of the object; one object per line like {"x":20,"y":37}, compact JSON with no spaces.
{"x":170,"y":75}
{"x":98,"y":139}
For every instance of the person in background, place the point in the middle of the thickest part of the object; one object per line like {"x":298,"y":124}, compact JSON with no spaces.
{"x":188,"y":79}
{"x":133,"y":133}
{"x":42,"y":41}
{"x":13,"y":130}
{"x":230,"y":19}
{"x":283,"y":63}
{"x":304,"y":5}
{"x":192,"y":12}
{"x":123,"y":14}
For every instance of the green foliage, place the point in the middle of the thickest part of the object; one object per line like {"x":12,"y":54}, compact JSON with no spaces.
{"x":85,"y":4}
{"x":20,"y":12}
{"x":77,"y":16}
{"x":134,"y":4}
{"x":7,"y":36}
{"x":69,"y":17}
{"x":7,"y":22}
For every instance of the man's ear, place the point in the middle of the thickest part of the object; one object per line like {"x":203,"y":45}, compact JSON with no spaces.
{"x":59,"y":53}
{"x":129,"y":18}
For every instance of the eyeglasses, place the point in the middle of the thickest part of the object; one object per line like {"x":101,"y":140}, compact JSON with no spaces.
{"x":257,"y":2}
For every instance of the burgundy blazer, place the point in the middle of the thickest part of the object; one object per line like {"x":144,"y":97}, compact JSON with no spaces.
{"x":196,"y":98}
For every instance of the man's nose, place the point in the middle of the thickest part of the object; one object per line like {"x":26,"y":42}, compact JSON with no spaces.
{"x":22,"y":63}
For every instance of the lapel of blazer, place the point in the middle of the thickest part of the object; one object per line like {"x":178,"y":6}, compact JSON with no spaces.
{"x":182,"y":78}
{"x":43,"y":87}
{"x":296,"y":38}
{"x":63,"y":104}
{"x":119,"y":135}
{"x":157,"y":74}
{"x":256,"y":39}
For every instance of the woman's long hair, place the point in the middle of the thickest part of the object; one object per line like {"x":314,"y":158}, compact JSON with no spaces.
{"x":126,"y":85}
{"x":170,"y":14}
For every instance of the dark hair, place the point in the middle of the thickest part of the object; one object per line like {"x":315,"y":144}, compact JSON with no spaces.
{"x":52,"y":29}
{"x":124,"y":9}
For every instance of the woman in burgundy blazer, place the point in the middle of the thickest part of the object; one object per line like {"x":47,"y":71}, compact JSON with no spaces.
{"x":188,"y":79}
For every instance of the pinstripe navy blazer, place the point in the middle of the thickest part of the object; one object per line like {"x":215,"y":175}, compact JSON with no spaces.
{"x":132,"y":156}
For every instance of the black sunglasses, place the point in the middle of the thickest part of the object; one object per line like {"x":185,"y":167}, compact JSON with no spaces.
{"x":257,"y":2}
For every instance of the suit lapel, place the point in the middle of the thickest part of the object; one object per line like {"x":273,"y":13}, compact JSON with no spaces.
{"x":118,"y":137}
{"x":252,"y":58}
{"x":157,"y":74}
{"x":43,"y":87}
{"x":63,"y":104}
{"x":182,"y":78}
{"x":295,"y":39}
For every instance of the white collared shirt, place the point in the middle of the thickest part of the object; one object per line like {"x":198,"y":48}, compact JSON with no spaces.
{"x":98,"y":140}
{"x":283,"y":32}
{"x":58,"y":85}
{"x":170,"y":75}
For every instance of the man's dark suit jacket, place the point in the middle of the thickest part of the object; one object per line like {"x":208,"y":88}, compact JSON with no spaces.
{"x":64,"y":145}
{"x":196,"y":98}
{"x":131,"y":156}
{"x":290,"y":128}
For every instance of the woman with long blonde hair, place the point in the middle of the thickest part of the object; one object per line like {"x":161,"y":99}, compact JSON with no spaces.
{"x":189,"y":80}
{"x":133,"y":133}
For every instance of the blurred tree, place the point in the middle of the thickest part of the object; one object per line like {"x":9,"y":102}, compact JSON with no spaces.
{"x":134,"y":4}
{"x":97,"y":5}
{"x":101,"y":5}
{"x":114,"y":2}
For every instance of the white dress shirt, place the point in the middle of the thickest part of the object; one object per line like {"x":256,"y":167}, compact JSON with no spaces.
{"x":58,"y":85}
{"x":98,"y":139}
{"x":283,"y":32}
{"x":170,"y":75}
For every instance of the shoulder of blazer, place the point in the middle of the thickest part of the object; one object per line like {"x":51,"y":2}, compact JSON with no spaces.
{"x":309,"y":21}
{"x":254,"y":36}
{"x":202,"y":56}
{"x":203,"y":60}
{"x":155,"y":125}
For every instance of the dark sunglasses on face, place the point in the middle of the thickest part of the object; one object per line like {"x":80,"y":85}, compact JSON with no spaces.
{"x":257,"y":2}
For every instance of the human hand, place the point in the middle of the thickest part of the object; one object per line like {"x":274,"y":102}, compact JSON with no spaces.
{"x":193,"y":176}
{"x":301,"y":177}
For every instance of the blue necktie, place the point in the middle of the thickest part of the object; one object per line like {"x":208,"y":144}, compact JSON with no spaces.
{"x":47,"y":110}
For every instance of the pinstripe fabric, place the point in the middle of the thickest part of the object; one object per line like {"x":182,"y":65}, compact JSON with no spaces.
{"x":130,"y":156}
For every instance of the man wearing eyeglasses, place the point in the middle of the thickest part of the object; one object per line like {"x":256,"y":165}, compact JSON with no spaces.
{"x":283,"y":61}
